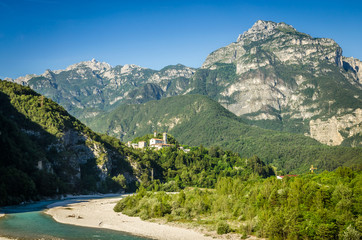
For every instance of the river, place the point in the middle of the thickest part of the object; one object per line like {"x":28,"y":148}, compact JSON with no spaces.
{"x":29,"y":222}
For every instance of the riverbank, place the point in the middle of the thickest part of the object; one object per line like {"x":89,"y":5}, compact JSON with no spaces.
{"x":98,"y":213}
{"x":4,"y":238}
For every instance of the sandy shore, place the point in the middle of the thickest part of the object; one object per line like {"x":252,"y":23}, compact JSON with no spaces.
{"x":99,"y":213}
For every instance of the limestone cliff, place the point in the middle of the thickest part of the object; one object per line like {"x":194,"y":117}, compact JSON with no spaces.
{"x":290,"y":78}
{"x":335,"y":130}
{"x":355,"y":66}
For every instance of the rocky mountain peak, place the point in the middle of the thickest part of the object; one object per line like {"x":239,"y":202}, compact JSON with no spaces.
{"x":268,"y":42}
{"x":263,"y":29}
{"x":48,"y":74}
{"x":127,"y":68}
{"x":23,"y":80}
{"x":94,"y":65}
{"x":276,"y":66}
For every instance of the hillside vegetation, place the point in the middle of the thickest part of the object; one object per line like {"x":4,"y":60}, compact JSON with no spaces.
{"x":310,"y":206}
{"x":172,"y":169}
{"x":196,"y":120}
{"x":45,"y":151}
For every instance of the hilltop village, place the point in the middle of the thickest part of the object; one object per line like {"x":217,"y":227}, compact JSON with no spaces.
{"x":154,"y":143}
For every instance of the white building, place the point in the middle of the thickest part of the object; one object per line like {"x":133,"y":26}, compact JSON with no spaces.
{"x":154,"y":141}
{"x":186,"y":150}
{"x":142,"y":144}
{"x":159,"y":143}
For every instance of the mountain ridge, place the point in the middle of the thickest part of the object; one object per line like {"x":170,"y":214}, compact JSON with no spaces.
{"x":273,"y":76}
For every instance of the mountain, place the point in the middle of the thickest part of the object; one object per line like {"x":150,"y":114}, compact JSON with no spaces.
{"x":286,"y":80}
{"x":45,"y":151}
{"x":273,"y":76}
{"x":87,"y":88}
{"x":199,"y":120}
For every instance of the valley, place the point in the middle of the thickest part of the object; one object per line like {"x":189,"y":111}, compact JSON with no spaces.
{"x":273,"y":77}
{"x":263,"y":141}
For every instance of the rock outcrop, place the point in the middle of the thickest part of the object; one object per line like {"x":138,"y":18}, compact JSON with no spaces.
{"x":355,"y":66}
{"x":335,"y":129}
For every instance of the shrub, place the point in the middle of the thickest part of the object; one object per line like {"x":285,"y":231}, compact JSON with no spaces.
{"x":223,"y":228}
{"x":351,"y":234}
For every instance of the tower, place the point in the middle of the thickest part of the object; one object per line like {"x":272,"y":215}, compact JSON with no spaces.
{"x":165,"y":138}
{"x":154,"y":134}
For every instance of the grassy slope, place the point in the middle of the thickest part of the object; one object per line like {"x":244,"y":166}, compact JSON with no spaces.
{"x":201,"y":120}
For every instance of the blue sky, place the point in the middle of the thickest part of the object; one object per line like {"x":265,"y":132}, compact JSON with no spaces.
{"x":36,"y":35}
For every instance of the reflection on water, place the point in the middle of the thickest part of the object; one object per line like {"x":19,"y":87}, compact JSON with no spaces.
{"x":29,"y":222}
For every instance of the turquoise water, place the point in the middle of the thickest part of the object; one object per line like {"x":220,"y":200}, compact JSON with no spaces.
{"x":28,"y":222}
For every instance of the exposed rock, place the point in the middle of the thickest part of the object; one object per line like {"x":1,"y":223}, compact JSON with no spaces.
{"x":281,"y":75}
{"x":95,"y":86}
{"x":21,"y":80}
{"x":128,"y":68}
{"x":355,"y":66}
{"x":94,"y":65}
{"x":171,"y":73}
{"x":329,"y":131}
{"x":267,"y":42}
{"x":255,"y":92}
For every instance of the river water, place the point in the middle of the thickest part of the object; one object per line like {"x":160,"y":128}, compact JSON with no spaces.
{"x":28,"y":222}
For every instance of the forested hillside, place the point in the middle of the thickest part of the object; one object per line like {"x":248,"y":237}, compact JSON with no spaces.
{"x":172,"y":169}
{"x":196,"y":120}
{"x":45,"y":151}
{"x":309,"y":206}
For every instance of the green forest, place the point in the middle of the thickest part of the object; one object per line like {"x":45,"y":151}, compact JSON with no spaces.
{"x":33,"y":130}
{"x":308,"y":206}
{"x":196,"y":120}
{"x":220,"y":191}
{"x":172,"y":169}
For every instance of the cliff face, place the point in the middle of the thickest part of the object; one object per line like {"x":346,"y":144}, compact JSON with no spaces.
{"x":354,"y":66}
{"x":262,"y":56}
{"x":292,"y":79}
{"x":334,"y":130}
{"x":267,"y":42}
